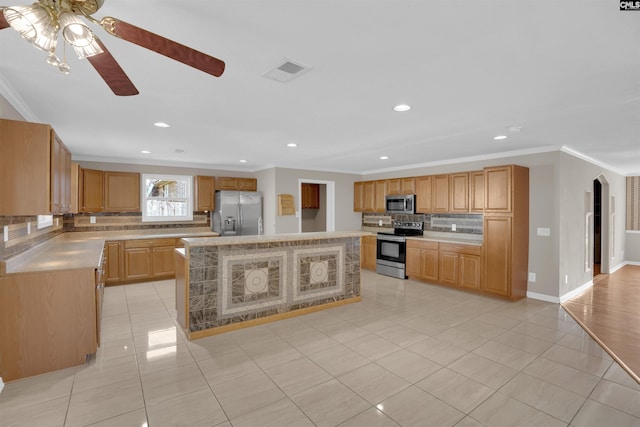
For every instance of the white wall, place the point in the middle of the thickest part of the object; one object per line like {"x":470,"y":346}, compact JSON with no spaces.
{"x":267,"y":186}
{"x":345,"y":218}
{"x":632,"y":246}
{"x":557,"y":185}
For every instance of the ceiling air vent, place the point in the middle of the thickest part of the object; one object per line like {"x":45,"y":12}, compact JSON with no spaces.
{"x":286,"y":70}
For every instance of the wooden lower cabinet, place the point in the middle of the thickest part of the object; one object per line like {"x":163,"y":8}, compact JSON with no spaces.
{"x":497,"y":255}
{"x":445,"y":263}
{"x":148,"y":259}
{"x":368,"y":252}
{"x":114,"y":262}
{"x":48,"y":321}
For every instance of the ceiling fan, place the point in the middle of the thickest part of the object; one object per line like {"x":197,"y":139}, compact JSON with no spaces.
{"x":41,"y":22}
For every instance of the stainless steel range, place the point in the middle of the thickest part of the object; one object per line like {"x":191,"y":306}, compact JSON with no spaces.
{"x":392,"y":248}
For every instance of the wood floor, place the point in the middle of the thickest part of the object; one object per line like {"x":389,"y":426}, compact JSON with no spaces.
{"x":610,"y":312}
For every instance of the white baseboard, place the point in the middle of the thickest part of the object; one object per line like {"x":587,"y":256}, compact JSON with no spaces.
{"x":618,"y":267}
{"x":543,"y":297}
{"x":576,"y":292}
{"x":631,"y":263}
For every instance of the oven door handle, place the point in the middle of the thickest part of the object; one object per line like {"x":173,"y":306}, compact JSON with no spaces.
{"x":391,"y":238}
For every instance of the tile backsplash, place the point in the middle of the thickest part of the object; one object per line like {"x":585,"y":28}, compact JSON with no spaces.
{"x":464,"y":223}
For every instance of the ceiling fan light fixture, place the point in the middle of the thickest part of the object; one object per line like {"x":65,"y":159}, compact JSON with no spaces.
{"x":74,"y":31}
{"x":27,"y":20}
{"x":88,"y":51}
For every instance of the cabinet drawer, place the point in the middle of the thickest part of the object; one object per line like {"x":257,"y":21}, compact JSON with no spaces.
{"x":422,"y":244}
{"x":471,"y":250}
{"x":146,"y":243}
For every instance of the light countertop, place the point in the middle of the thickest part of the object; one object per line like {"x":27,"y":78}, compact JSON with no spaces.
{"x":79,"y":250}
{"x":239,"y":240}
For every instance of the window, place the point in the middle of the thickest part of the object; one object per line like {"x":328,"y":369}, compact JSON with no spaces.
{"x":167,"y":198}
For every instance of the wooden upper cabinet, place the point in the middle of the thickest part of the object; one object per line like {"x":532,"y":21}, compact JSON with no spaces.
{"x":60,"y":176}
{"x":498,"y":189}
{"x":369,"y":196}
{"x":476,"y":191}
{"x":424,"y":194}
{"x":91,"y":190}
{"x":358,"y":196}
{"x":35,"y":170}
{"x":121,"y":192}
{"x":459,"y":192}
{"x":310,"y":196}
{"x":440,"y":193}
{"x":205,"y":193}
{"x":401,"y":186}
{"x":380,"y":196}
{"x":236,"y":184}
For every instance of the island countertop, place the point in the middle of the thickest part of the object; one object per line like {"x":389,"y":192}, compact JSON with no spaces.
{"x":266,"y":238}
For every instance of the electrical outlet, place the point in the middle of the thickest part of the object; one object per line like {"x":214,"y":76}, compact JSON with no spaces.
{"x":532,"y":277}
{"x":566,"y":279}
{"x":453,"y":227}
{"x":6,"y":233}
{"x":28,"y":228}
{"x":379,"y":223}
{"x":92,"y":219}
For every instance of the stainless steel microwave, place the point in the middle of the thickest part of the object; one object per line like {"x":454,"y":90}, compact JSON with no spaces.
{"x":400,"y":204}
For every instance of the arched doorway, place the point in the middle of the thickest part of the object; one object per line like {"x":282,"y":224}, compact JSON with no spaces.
{"x":601,"y":232}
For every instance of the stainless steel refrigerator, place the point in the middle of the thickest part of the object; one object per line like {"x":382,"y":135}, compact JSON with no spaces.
{"x":237,"y":213}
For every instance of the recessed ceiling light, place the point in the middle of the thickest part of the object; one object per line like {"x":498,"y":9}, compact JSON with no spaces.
{"x":292,"y":145}
{"x":161,"y":124}
{"x":145,"y":152}
{"x":499,"y":137}
{"x":384,"y":157}
{"x":243,"y":161}
{"x":402,"y":107}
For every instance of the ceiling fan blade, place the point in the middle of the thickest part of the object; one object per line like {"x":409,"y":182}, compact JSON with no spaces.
{"x":163,"y":46}
{"x":111,"y":72}
{"x":3,"y":20}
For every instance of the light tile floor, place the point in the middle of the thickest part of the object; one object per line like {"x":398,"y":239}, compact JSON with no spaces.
{"x":409,"y":354}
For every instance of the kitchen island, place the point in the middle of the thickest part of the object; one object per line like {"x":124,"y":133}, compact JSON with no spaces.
{"x":227,"y":283}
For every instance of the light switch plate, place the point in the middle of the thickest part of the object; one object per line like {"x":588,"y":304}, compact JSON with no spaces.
{"x":532,"y":277}
{"x":92,"y":219}
{"x":543,"y":231}
{"x":453,"y":227}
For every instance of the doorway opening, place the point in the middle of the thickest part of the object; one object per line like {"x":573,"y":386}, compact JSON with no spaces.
{"x":316,"y":206}
{"x":597,"y":227}
{"x":601,"y":232}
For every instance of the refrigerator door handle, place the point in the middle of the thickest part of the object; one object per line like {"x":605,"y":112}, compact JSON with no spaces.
{"x":239,"y":219}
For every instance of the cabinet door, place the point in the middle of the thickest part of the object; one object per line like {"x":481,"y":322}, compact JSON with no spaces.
{"x":247,"y":184}
{"x":204,"y":191}
{"x":408,"y":185}
{"x":310,"y":196}
{"x":440,"y":193}
{"x":137,"y":263}
{"x":92,"y":190}
{"x":448,"y":267}
{"x":380,"y":195}
{"x":25,"y":162}
{"x":459,"y":192}
{"x":497,"y":255}
{"x":56,"y":175}
{"x":121,"y":192}
{"x":424,"y":194}
{"x":497,"y":189}
{"x":413,"y":262}
{"x":369,"y":196}
{"x":394,"y":186}
{"x":114,"y":267}
{"x":226,"y":183}
{"x":469,"y":273}
{"x":368,"y":252}
{"x":476,"y":191}
{"x":429,"y":265}
{"x":163,"y":263}
{"x":358,"y":196}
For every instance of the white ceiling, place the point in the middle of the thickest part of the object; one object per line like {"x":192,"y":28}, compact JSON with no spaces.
{"x":567,"y":72}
